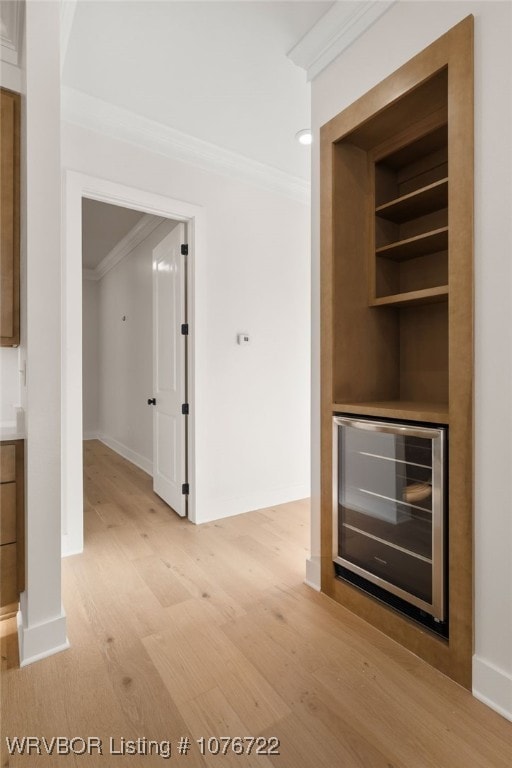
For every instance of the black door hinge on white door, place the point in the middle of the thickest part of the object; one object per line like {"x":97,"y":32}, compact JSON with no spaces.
{"x":184,"y":249}
{"x":185,"y":489}
{"x":184,"y":409}
{"x":184,"y":329}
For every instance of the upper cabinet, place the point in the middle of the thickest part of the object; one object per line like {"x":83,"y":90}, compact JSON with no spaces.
{"x":10,"y":219}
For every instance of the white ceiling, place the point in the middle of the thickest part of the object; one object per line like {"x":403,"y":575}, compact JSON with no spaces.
{"x":103,"y":226}
{"x":217,"y":71}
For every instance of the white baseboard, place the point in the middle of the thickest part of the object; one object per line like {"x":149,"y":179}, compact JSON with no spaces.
{"x":313,"y":570}
{"x":492,"y":686}
{"x":221,"y":508}
{"x":41,"y":640}
{"x":140,"y":461}
{"x":91,"y":436}
{"x":72,"y":545}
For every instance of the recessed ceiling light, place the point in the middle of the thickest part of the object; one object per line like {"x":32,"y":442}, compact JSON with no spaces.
{"x":305,"y":136}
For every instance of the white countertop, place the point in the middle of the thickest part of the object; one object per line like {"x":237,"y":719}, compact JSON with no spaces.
{"x":14,"y":430}
{"x":8,"y":432}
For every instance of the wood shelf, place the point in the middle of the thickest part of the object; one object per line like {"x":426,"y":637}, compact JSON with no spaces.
{"x":432,"y":413}
{"x":426,"y":137}
{"x":409,"y":298}
{"x":429,"y":242}
{"x":430,"y":198}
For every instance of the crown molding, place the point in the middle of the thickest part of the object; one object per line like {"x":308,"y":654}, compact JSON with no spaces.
{"x":335,"y":31}
{"x":102,"y":117}
{"x":11,"y":31}
{"x":142,"y":229}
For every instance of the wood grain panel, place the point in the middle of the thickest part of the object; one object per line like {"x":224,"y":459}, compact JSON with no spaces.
{"x":12,"y":504}
{"x":461,"y":345}
{"x":7,"y":463}
{"x":426,"y":103}
{"x":424,"y":353}
{"x":365,"y":347}
{"x":9,"y":218}
{"x":417,"y":410}
{"x":7,"y":513}
{"x":8,"y":575}
{"x":20,"y":513}
{"x":8,"y":639}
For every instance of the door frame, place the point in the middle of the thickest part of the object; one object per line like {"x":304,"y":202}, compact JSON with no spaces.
{"x":77,"y":186}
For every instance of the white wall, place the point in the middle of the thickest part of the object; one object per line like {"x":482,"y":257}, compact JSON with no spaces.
{"x":251,"y":274}
{"x":10,"y":389}
{"x":397,"y":36}
{"x":90,"y":351}
{"x":121,"y":377}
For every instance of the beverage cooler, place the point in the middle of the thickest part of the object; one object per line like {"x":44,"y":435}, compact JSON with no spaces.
{"x":389,"y":509}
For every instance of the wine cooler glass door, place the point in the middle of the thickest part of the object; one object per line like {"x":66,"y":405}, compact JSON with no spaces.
{"x":388,"y":508}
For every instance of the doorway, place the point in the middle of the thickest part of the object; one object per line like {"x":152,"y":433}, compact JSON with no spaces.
{"x":134,"y":348}
{"x":79,"y":186}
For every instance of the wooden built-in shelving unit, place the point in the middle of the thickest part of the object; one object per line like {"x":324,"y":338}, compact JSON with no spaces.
{"x":397,"y":297}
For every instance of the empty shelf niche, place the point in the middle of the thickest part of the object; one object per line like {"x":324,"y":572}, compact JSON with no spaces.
{"x":411,"y":222}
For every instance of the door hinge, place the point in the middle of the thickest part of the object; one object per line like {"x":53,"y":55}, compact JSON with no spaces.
{"x":184,"y":249}
{"x":184,"y":329}
{"x":184,"y":409}
{"x":185,"y":489}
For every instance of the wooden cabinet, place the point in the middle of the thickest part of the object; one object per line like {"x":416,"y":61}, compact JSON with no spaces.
{"x":397,"y":299}
{"x":11,"y":523}
{"x":10,"y":218}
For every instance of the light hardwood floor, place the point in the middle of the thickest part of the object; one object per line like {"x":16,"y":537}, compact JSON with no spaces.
{"x":181,"y":630}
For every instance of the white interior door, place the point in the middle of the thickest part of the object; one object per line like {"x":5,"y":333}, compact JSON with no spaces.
{"x":169,"y":374}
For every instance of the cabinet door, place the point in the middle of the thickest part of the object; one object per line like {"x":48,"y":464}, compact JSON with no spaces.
{"x":12,"y":522}
{"x":7,"y":513}
{"x":9,"y":219}
{"x":7,"y":463}
{"x":8,"y":575}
